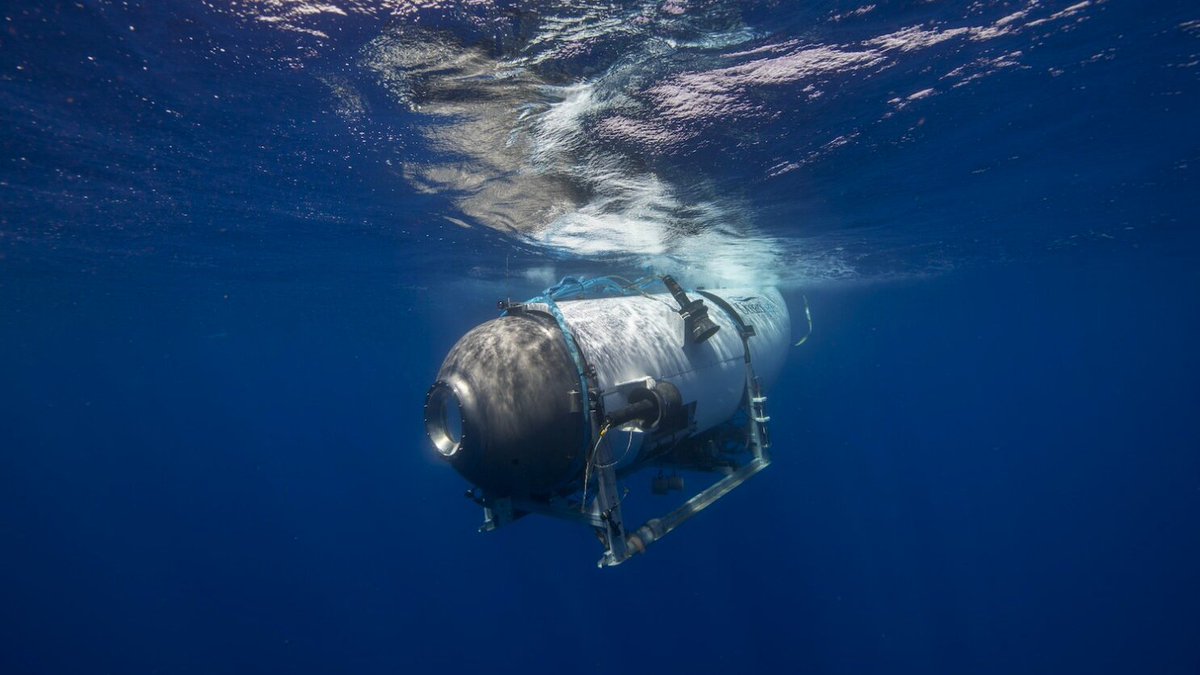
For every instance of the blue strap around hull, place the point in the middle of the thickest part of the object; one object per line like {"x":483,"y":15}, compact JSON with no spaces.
{"x":569,"y":287}
{"x":576,"y":356}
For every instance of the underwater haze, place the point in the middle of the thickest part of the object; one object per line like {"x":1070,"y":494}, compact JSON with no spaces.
{"x":237,"y":239}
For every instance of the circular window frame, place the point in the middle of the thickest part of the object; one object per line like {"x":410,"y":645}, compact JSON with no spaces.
{"x":442,"y":421}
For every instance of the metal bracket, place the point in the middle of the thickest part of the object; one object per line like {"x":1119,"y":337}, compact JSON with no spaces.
{"x":757,"y":442}
{"x":607,"y":506}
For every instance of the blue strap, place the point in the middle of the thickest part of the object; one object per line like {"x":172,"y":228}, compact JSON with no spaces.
{"x":569,"y":287}
{"x":573,"y":349}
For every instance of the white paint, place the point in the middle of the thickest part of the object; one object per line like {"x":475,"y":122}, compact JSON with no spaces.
{"x":639,"y":337}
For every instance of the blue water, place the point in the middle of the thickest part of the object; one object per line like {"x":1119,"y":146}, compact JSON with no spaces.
{"x":237,"y":239}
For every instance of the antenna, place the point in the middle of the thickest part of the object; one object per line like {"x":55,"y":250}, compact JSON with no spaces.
{"x":507,"y":280}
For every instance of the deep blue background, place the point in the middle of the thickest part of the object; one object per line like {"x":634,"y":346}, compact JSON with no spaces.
{"x":217,"y":330}
{"x":983,"y":472}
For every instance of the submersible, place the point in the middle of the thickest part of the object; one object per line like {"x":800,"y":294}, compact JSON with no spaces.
{"x":549,"y":407}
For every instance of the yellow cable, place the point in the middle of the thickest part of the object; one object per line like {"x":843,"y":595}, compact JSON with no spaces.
{"x":587,"y":467}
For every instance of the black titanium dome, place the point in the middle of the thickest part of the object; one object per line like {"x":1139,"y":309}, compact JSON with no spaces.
{"x":505,"y":409}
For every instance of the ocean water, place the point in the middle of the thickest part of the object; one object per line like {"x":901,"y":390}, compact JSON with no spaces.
{"x":237,"y":239}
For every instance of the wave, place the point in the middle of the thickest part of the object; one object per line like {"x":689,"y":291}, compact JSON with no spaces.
{"x":602,"y":130}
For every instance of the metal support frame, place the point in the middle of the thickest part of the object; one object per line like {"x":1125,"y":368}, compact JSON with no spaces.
{"x":607,"y":507}
{"x":757,"y":442}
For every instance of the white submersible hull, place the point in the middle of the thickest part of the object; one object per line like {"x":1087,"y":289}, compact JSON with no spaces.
{"x":529,"y":406}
